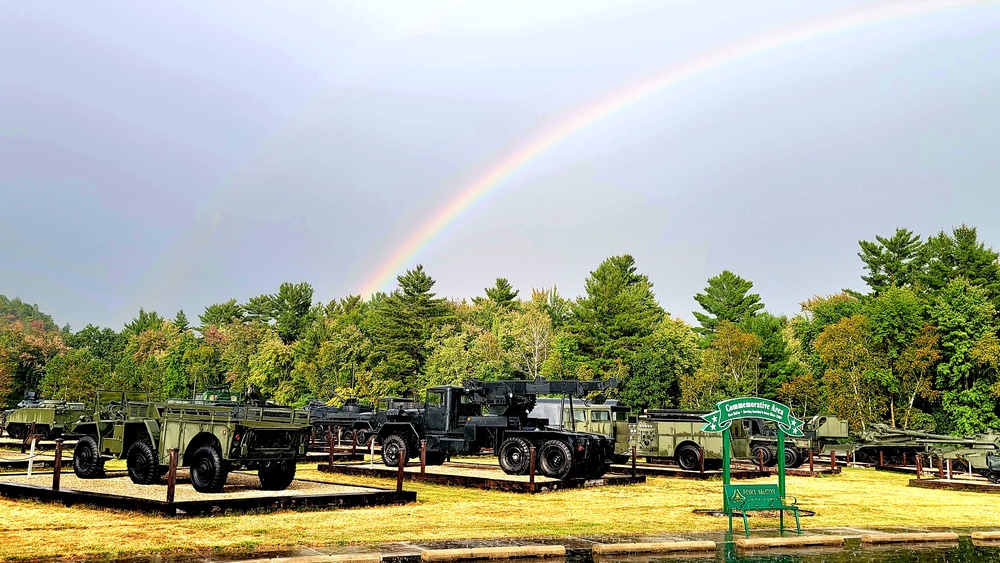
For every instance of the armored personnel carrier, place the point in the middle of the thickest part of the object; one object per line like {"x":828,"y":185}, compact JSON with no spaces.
{"x":213,"y":438}
{"x":51,"y":418}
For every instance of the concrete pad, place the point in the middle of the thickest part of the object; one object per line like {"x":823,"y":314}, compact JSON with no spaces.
{"x":910,"y":538}
{"x":800,"y":541}
{"x":505,"y":552}
{"x":653,"y":547}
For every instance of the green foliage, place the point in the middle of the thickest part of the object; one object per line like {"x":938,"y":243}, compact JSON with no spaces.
{"x":503,"y":294}
{"x":726,"y":300}
{"x":896,"y":261}
{"x":618,"y":312}
{"x":74,"y":375}
{"x":16,"y":311}
{"x":962,"y":255}
{"x":221,"y":314}
{"x":655,"y":370}
{"x":729,"y":368}
{"x":290,"y":310}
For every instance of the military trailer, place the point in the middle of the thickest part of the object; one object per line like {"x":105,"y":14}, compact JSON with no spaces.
{"x":494,"y":415}
{"x":820,"y":434}
{"x":212,"y":437}
{"x":669,"y":434}
{"x":51,"y":418}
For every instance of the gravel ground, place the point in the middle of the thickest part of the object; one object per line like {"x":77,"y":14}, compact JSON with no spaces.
{"x":239,"y":485}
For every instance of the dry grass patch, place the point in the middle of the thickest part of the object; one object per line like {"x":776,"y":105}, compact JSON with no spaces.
{"x":858,"y":497}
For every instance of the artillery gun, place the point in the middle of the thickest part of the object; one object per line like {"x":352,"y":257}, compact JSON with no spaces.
{"x":50,"y":418}
{"x":980,"y":451}
{"x":213,"y":437}
{"x":495,"y":414}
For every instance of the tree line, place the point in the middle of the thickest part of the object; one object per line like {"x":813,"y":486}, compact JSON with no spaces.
{"x":918,"y":349}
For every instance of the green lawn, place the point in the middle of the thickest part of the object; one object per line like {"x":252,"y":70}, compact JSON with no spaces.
{"x":858,"y":497}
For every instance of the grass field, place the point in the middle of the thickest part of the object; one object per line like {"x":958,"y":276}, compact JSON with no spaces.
{"x":858,"y":497}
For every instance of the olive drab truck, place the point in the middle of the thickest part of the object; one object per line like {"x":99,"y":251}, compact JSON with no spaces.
{"x":212,"y":438}
{"x":677,"y":435}
{"x":494,"y":415}
{"x":820,"y":434}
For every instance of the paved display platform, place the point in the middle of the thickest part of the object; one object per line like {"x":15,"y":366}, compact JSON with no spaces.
{"x":477,"y":475}
{"x":660,"y":470}
{"x":241,"y":493}
{"x":961,"y":483}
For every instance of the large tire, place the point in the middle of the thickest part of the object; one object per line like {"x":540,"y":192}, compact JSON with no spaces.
{"x":555,"y":459}
{"x":208,"y":470}
{"x":276,"y":476}
{"x":760,"y":450}
{"x":688,"y":457}
{"x":87,"y":461}
{"x":514,"y":456}
{"x":143,"y":467}
{"x":392,"y":448}
{"x":436,"y":458}
{"x":793,"y":458}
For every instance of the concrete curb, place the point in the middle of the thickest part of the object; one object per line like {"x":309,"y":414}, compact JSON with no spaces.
{"x":506,"y":552}
{"x":339,"y":558}
{"x":910,"y":538}
{"x":655,"y":547}
{"x":986,"y":536}
{"x":801,"y":541}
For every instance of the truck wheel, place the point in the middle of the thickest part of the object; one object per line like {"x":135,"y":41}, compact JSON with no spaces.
{"x":87,"y":462}
{"x":687,"y":457}
{"x":793,"y":458}
{"x":362,"y":437}
{"x":514,"y":456}
{"x":555,"y":459}
{"x":392,"y":447}
{"x":435,"y":458}
{"x":143,"y":467}
{"x":276,"y":476}
{"x":759,"y":451}
{"x":208,"y":471}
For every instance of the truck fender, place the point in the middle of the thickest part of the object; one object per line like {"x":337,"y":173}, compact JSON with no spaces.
{"x":402,"y":428}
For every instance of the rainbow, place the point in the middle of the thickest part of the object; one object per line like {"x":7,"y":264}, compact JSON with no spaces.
{"x":468,"y":197}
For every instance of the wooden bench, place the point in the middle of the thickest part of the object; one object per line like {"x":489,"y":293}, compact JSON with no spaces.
{"x":745,"y":498}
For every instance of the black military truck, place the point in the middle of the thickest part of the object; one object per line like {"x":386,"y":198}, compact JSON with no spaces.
{"x":213,"y":437}
{"x":339,"y":423}
{"x":494,"y":414}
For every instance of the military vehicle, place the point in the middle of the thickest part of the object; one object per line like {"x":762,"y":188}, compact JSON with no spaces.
{"x":893,"y":443}
{"x":659,"y":435}
{"x":608,"y":418}
{"x":677,"y":434}
{"x":820,"y":433}
{"x":340,"y":423}
{"x":51,"y":418}
{"x":213,"y":438}
{"x":494,"y":414}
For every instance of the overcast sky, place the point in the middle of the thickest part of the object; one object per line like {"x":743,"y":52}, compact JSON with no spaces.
{"x":175,"y":155}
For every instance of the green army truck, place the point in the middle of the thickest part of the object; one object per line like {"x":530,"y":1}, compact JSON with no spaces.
{"x":820,"y":434}
{"x":51,"y":419}
{"x":660,"y":434}
{"x":212,"y":437}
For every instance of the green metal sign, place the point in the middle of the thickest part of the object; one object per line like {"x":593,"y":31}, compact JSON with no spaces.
{"x":752,"y":407}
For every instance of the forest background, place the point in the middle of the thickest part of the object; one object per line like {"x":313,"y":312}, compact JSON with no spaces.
{"x":918,"y":350}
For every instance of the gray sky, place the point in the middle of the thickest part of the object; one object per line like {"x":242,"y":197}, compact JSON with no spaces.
{"x":174,"y":155}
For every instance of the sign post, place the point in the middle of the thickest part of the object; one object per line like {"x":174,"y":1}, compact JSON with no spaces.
{"x":729,"y":410}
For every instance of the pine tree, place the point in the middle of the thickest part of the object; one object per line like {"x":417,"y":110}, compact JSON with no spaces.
{"x":726,"y":299}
